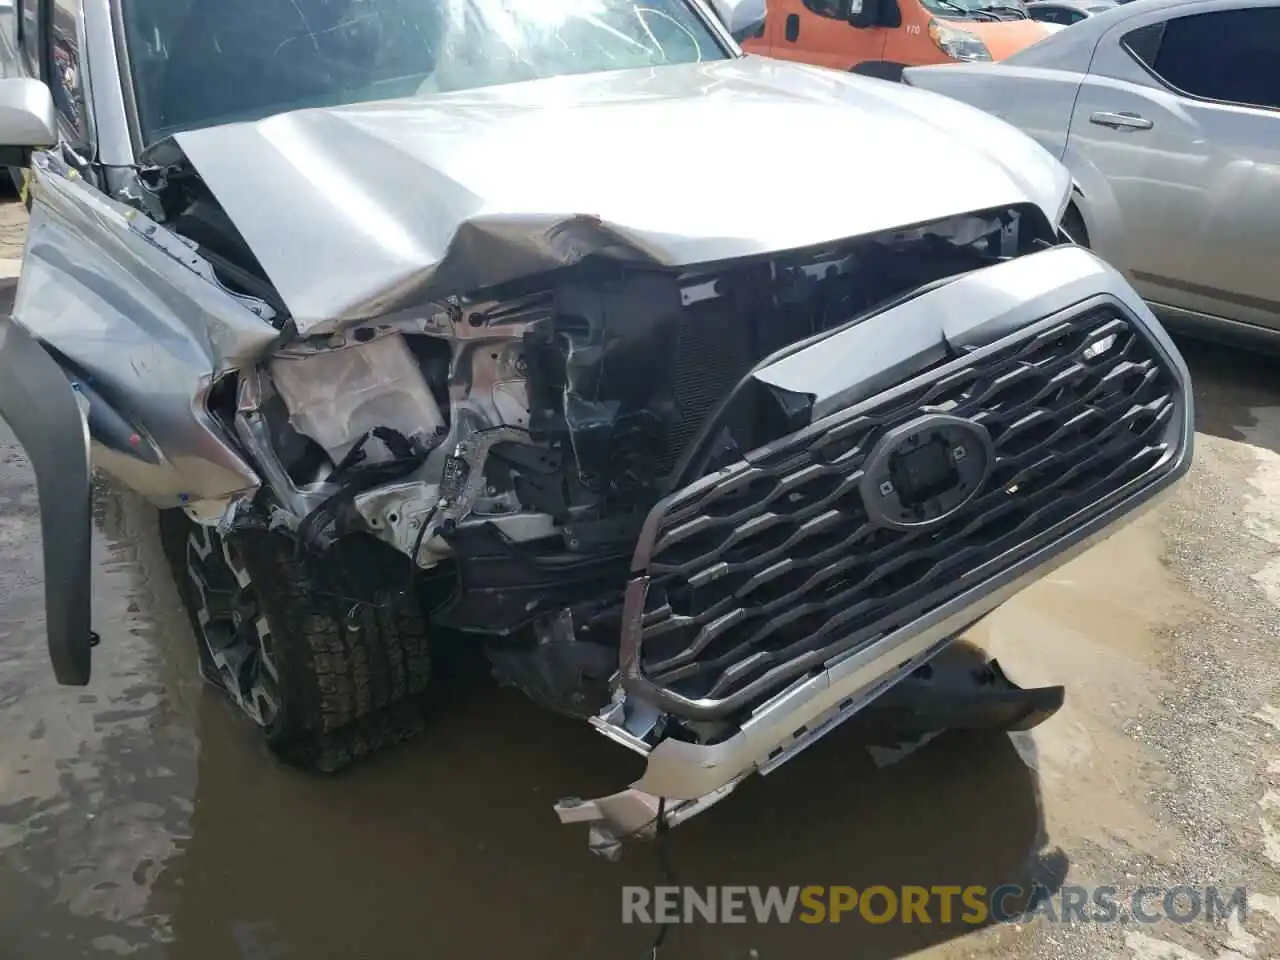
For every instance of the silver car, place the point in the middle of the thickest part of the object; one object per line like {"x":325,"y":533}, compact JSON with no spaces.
{"x":424,"y":321}
{"x":1167,"y":114}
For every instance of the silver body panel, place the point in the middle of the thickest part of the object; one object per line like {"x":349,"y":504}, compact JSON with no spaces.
{"x":1183,"y":200}
{"x":114,"y":141}
{"x":150,"y":331}
{"x":406,"y":201}
{"x":27,"y":114}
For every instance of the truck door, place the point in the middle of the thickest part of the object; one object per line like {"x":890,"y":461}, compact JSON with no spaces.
{"x":819,"y":32}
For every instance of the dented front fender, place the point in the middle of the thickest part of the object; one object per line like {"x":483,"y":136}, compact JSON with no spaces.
{"x":136,"y":314}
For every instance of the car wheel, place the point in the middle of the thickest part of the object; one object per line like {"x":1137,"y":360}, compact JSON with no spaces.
{"x":327,"y":677}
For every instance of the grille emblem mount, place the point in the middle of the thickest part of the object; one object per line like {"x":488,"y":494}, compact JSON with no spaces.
{"x":924,"y":471}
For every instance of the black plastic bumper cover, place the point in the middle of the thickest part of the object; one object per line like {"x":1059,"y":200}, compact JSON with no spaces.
{"x":40,"y":406}
{"x":937,"y":698}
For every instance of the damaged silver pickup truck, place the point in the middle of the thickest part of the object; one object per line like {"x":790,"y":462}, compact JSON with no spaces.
{"x":524,"y":320}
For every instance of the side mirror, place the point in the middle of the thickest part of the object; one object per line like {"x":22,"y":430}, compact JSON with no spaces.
{"x":739,"y":16}
{"x":27,"y":120}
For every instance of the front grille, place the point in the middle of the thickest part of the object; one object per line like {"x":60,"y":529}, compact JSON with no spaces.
{"x":761,"y":572}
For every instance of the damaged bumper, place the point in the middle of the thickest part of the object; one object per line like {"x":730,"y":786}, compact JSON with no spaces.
{"x":693,"y":777}
{"x":776,"y":598}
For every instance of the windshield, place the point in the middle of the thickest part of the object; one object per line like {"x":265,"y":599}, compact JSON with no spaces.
{"x":202,"y":62}
{"x":976,"y":9}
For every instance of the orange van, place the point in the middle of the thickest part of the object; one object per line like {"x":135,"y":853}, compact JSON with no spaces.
{"x":881,"y":37}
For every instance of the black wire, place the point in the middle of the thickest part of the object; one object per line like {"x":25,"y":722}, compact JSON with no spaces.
{"x":352,"y":475}
{"x":664,"y":864}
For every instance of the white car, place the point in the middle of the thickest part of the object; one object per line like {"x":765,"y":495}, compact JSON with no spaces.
{"x":1167,"y":114}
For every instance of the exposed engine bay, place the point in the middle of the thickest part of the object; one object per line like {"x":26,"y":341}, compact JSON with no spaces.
{"x":517,"y":438}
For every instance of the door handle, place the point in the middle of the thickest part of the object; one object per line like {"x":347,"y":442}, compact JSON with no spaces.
{"x":792,"y":28}
{"x":1121,"y":121}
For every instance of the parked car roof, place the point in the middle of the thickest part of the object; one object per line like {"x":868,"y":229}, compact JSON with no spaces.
{"x":1084,"y":6}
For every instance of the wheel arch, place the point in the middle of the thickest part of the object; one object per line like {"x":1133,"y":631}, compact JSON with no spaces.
{"x":1094,"y":201}
{"x":880,"y":69}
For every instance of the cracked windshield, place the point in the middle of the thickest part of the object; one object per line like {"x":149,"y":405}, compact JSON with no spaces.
{"x":197,"y":62}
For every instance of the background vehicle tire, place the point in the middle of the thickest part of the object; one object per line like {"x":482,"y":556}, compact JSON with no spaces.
{"x":1073,"y":227}
{"x":14,"y":184}
{"x":330,"y":659}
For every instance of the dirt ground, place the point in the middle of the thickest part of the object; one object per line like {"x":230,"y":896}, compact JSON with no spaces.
{"x":138,"y":816}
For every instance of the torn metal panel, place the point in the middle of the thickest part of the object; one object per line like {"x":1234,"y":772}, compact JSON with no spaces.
{"x":102,"y":286}
{"x":406,"y":201}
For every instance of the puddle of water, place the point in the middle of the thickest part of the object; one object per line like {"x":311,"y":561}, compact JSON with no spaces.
{"x":139,"y":816}
{"x":95,"y":783}
{"x":1098,"y":621}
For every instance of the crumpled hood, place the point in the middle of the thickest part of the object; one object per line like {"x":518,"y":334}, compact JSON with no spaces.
{"x":355,"y":212}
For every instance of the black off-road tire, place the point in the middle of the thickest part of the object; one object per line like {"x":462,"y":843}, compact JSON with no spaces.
{"x":349,"y":645}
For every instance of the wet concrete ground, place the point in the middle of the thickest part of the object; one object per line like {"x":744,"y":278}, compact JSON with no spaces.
{"x":138,"y":816}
